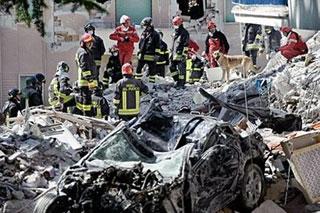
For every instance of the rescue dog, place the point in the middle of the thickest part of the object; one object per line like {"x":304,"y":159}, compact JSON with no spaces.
{"x":228,"y":63}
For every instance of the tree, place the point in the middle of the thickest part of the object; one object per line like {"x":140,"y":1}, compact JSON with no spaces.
{"x":31,"y":11}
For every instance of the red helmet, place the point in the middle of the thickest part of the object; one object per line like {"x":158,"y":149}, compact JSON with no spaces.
{"x":177,"y":21}
{"x":211,"y":25}
{"x":127,"y":69}
{"x":285,"y":29}
{"x":86,"y":38}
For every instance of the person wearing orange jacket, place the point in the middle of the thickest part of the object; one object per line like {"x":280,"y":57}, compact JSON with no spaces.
{"x":295,"y":45}
{"x":125,"y":35}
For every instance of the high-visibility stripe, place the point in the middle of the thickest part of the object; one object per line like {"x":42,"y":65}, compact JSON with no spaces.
{"x":188,"y":70}
{"x":152,"y":78}
{"x":158,"y":50}
{"x":174,"y":73}
{"x":125,"y":110}
{"x":161,"y":62}
{"x":196,"y":69}
{"x":116,"y":101}
{"x":93,"y":84}
{"x":86,"y":73}
{"x":83,"y":107}
{"x":138,"y":76}
{"x":177,"y":57}
{"x":98,"y":62}
{"x":148,"y":57}
{"x":181,"y":77}
{"x":82,"y":83}
{"x":97,"y":109}
{"x":164,"y":52}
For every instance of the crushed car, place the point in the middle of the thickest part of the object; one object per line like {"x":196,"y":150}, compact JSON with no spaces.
{"x":164,"y":162}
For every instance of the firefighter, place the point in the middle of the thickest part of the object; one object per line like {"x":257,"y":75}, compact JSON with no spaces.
{"x":86,"y":64}
{"x":215,"y":41}
{"x":272,"y":40}
{"x":179,"y":52}
{"x":100,"y":104}
{"x":195,"y":64}
{"x":60,"y":89}
{"x":40,"y":80}
{"x":113,"y":68}
{"x":295,"y":45}
{"x":30,"y":94}
{"x":125,"y":35}
{"x":97,"y":49}
{"x":83,"y":102}
{"x":253,"y":42}
{"x":12,"y":107}
{"x":149,"y":50}
{"x":127,"y":94}
{"x":163,"y":57}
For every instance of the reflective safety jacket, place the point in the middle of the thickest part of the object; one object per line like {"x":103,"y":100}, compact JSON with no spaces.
{"x":149,"y":45}
{"x":179,"y":49}
{"x":253,"y":39}
{"x":59,"y":91}
{"x":97,"y":49}
{"x":194,"y":70}
{"x":127,"y":96}
{"x":86,"y":68}
{"x":163,"y":54}
{"x":100,"y":106}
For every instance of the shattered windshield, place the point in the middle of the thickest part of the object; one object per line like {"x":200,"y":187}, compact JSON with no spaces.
{"x":117,"y":148}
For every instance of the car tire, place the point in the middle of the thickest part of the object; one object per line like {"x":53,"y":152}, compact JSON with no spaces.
{"x":252,"y":188}
{"x":51,"y":203}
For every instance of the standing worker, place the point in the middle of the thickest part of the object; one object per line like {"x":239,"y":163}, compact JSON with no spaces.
{"x":113,"y":68}
{"x":12,"y":106}
{"x":126,"y":35}
{"x":164,"y":57}
{"x":97,"y":49}
{"x":253,"y":42}
{"x":272,"y":40}
{"x":215,"y":40}
{"x":40,"y":80}
{"x":179,"y":52}
{"x":127,"y":94}
{"x":149,"y":50}
{"x":86,"y":64}
{"x":30,"y":94}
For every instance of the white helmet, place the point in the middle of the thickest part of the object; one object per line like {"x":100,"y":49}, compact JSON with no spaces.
{"x":124,"y":19}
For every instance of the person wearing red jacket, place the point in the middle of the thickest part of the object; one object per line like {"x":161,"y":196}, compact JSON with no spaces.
{"x":294,"y":46}
{"x":215,"y":40}
{"x":126,"y":35}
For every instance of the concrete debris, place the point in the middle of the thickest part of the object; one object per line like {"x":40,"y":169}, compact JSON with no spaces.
{"x":36,"y":150}
{"x":268,"y":206}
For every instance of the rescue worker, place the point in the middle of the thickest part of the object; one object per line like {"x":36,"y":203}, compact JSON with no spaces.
{"x":127,"y":94}
{"x":60,"y":89}
{"x":113,"y":68}
{"x":12,"y":106}
{"x":272,"y":40}
{"x":179,"y":52}
{"x":97,"y":49}
{"x":253,"y":42}
{"x":215,"y":41}
{"x":195,"y":65}
{"x":40,"y":80}
{"x":163,"y":57}
{"x":295,"y":45}
{"x":86,"y":64}
{"x":149,"y":50}
{"x":100,"y":104}
{"x":125,"y":35}
{"x":30,"y":94}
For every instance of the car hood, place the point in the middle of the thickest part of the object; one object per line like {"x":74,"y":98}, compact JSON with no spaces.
{"x":169,"y":164}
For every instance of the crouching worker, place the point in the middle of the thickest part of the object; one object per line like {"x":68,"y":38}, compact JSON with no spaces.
{"x":127,"y":94}
{"x":113,"y":68}
{"x":195,"y":68}
{"x":100,"y":104}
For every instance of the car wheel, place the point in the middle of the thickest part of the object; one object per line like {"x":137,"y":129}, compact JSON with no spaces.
{"x":51,"y":203}
{"x":253,"y":187}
